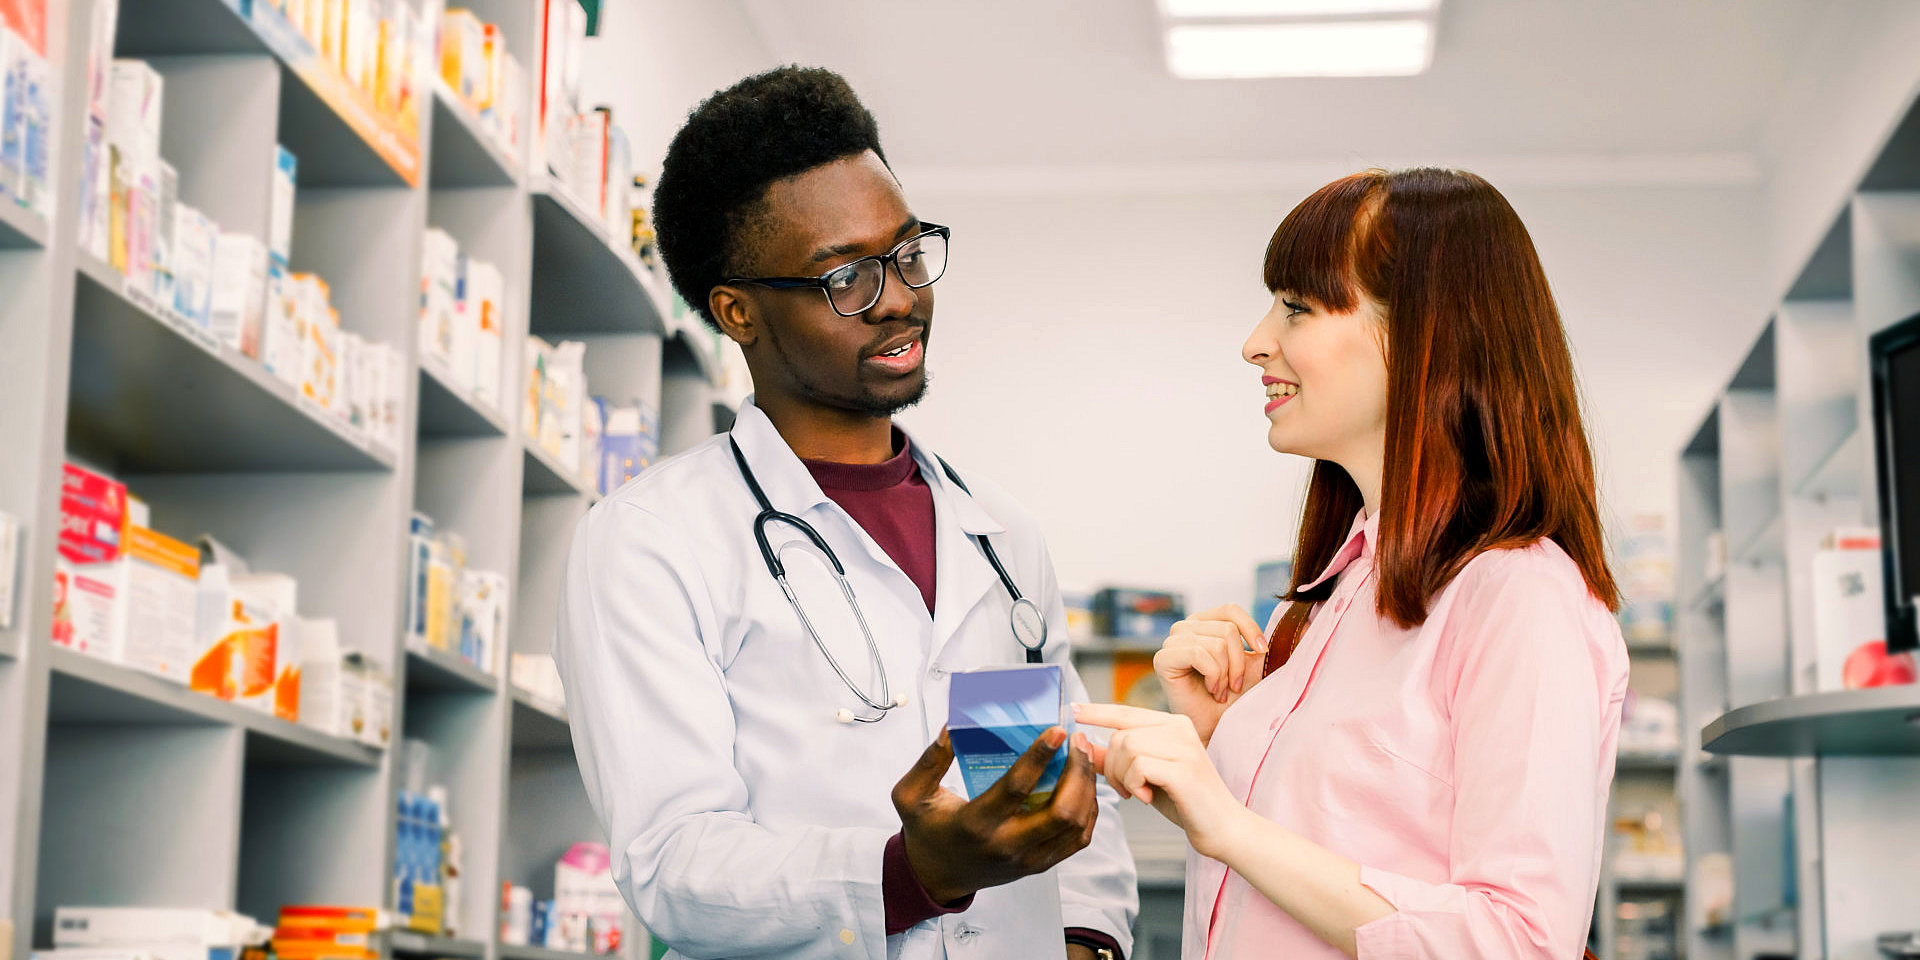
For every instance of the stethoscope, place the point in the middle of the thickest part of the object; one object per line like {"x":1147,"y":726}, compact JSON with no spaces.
{"x":1028,"y":624}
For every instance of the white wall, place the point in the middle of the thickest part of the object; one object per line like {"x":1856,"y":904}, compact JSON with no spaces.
{"x":1086,"y":357}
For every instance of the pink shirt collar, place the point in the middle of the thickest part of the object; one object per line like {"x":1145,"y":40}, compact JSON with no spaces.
{"x":1362,"y":537}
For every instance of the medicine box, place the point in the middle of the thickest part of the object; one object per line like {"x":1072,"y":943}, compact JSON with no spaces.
{"x":994,"y":714}
{"x":1848,"y":610}
{"x":238,"y":629}
{"x":484,"y":300}
{"x":237,"y":301}
{"x":483,"y":617}
{"x":154,"y":629}
{"x":280,"y":346}
{"x":419,"y":561}
{"x":93,"y":523}
{"x":134,"y":96}
{"x":280,"y":204}
{"x":330,"y":699}
{"x":628,"y":445}
{"x":266,"y":603}
{"x":466,"y":332}
{"x":148,"y":926}
{"x":194,"y":237}
{"x":439,"y":298}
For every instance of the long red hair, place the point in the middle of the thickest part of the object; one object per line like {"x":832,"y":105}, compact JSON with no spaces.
{"x":1485,"y":445}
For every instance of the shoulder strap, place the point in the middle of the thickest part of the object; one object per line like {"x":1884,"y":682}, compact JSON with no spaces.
{"x":1286,"y":635}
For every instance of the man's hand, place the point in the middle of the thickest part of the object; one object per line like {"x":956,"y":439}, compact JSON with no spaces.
{"x":957,"y":847}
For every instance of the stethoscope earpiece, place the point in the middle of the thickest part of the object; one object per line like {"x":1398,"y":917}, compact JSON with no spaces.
{"x":844,"y":715}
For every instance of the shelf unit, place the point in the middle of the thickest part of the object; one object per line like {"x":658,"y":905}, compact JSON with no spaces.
{"x":1808,"y":790}
{"x":132,"y":789}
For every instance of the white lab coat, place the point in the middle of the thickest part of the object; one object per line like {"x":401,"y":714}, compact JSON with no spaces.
{"x":744,"y":819}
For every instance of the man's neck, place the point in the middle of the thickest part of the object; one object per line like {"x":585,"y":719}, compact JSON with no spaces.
{"x":832,"y":436}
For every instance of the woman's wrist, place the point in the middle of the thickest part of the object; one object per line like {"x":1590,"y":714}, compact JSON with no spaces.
{"x":1225,"y":834}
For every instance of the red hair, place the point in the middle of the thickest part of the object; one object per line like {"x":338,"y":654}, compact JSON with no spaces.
{"x":1485,"y":445}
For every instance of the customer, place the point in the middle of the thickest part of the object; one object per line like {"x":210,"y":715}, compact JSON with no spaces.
{"x":1416,"y":764}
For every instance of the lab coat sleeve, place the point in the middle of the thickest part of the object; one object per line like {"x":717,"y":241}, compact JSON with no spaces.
{"x":638,"y":650}
{"x":1098,"y":886}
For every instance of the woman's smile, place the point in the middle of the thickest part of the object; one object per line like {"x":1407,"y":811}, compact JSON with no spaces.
{"x":1279,"y":392}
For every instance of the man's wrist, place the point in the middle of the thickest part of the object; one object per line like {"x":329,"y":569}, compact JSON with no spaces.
{"x":1090,"y":945}
{"x":929,"y":879}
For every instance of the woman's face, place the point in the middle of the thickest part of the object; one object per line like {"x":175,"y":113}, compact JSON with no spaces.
{"x":1326,"y":379}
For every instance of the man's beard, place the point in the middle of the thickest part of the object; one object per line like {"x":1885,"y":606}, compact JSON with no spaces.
{"x":865,"y":402}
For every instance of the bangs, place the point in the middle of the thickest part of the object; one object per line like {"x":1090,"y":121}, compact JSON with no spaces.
{"x":1314,"y":249}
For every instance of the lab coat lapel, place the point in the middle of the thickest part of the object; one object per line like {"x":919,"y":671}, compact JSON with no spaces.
{"x":963,"y":572}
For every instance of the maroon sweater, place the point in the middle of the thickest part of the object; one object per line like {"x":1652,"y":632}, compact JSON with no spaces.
{"x":892,"y":502}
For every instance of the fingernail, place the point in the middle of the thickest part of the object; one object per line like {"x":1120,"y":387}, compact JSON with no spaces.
{"x":1056,"y":737}
{"x":943,"y":736}
{"x":1076,"y":710}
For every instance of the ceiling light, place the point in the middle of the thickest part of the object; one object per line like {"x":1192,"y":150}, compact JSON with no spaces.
{"x":1378,"y":48}
{"x":1225,"y":9}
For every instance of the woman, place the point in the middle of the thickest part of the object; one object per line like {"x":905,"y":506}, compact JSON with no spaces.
{"x":1425,"y":772}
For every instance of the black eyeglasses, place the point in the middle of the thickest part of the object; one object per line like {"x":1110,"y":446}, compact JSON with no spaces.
{"x":852,"y":289}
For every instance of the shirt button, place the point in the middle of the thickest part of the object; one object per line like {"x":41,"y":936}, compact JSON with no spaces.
{"x":846,"y":936}
{"x":938,"y":672}
{"x":965,"y":934}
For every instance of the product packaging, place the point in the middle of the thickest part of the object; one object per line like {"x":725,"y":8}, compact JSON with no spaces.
{"x":154,"y":629}
{"x":281,"y":349}
{"x":484,"y":297}
{"x":148,"y":926}
{"x":239,"y":626}
{"x":1849,"y":616}
{"x":194,"y":238}
{"x":165,"y":212}
{"x":134,"y":96}
{"x":994,"y":714}
{"x":466,"y":332}
{"x":280,"y":205}
{"x":483,"y":617}
{"x":419,"y":562}
{"x":628,"y":445}
{"x":534,"y":404}
{"x":86,"y":593}
{"x":1124,"y":612}
{"x":439,"y":299}
{"x":331,"y":682}
{"x":237,"y":302}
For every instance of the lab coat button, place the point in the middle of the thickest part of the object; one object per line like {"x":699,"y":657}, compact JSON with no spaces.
{"x":938,"y":672}
{"x":846,"y":936}
{"x":965,"y":934}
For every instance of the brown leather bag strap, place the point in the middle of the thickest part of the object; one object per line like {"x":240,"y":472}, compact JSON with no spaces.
{"x":1286,"y":635}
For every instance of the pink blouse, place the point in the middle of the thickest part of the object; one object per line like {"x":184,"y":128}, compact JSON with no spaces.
{"x":1463,"y":763}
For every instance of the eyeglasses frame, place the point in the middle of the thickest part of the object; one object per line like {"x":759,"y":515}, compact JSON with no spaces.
{"x":890,"y":257}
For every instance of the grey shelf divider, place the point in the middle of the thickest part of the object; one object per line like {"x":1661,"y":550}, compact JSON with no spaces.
{"x":1880,"y":722}
{"x":226,"y":806}
{"x":20,"y":227}
{"x":447,"y":411}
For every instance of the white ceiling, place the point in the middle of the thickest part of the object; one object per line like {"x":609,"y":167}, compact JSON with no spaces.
{"x":1682,"y":86}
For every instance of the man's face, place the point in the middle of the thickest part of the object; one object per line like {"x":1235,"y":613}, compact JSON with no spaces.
{"x":816,"y":221}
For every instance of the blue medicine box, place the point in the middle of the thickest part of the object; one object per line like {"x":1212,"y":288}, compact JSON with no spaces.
{"x":995,"y":714}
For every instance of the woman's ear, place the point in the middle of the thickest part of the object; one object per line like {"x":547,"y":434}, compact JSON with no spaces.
{"x":735,"y":314}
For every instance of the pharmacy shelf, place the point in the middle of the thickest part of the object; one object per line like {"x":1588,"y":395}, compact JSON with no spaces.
{"x":1883,"y":722}
{"x":407,"y":943}
{"x":510,"y":951}
{"x":20,"y":228}
{"x":463,"y":153}
{"x":89,"y":691}
{"x":584,"y":280}
{"x":1108,"y":646}
{"x":166,"y":397}
{"x":334,"y":130}
{"x":1650,"y":885}
{"x":1712,"y":594}
{"x":537,"y":725}
{"x":9,"y":646}
{"x":1838,"y":473}
{"x":1767,"y":544}
{"x":432,"y":669}
{"x":697,"y":350}
{"x":545,"y":475}
{"x":1652,"y":648}
{"x":447,"y":411}
{"x":1666,"y":763}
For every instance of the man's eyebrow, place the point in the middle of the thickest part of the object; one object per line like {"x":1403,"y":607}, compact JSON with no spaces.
{"x":824,"y":254}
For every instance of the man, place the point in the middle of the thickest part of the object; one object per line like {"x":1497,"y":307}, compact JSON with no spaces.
{"x":759,"y":757}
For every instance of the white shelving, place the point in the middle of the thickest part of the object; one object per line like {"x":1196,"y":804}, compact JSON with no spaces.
{"x":219,"y":805}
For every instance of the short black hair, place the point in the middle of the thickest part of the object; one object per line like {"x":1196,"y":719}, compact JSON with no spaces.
{"x":735,"y":145}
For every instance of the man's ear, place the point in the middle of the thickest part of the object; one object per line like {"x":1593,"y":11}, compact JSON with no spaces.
{"x":735,"y":314}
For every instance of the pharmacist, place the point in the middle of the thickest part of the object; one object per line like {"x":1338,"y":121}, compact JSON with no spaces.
{"x":769,"y":766}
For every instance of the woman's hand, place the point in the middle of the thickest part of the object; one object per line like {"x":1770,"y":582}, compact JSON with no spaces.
{"x":1208,"y":661}
{"x":1159,"y":758}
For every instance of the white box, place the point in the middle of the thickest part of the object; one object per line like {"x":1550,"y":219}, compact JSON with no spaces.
{"x":280,"y":204}
{"x":439,"y":297}
{"x":483,"y":617}
{"x":148,"y":926}
{"x":399,"y":376}
{"x":165,"y":212}
{"x":280,"y":346}
{"x":237,"y":302}
{"x":485,"y":302}
{"x":466,"y":333}
{"x":377,"y":695}
{"x":194,"y":238}
{"x":155,"y":628}
{"x":566,"y":370}
{"x":330,"y":698}
{"x":1848,"y":610}
{"x":134,"y":94}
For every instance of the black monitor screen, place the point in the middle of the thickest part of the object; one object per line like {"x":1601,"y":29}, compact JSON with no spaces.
{"x":1896,"y":406}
